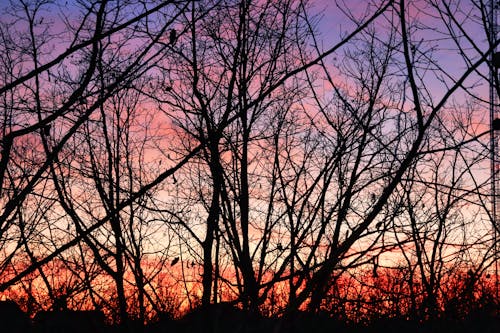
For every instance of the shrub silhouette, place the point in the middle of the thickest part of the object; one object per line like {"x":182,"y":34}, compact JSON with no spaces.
{"x":13,"y":319}
{"x":69,"y":321}
{"x":221,"y":318}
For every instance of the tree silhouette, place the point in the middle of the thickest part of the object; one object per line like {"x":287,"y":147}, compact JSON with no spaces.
{"x":157,"y":157}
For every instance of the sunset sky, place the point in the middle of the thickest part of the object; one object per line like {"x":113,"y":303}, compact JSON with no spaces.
{"x":161,"y":156}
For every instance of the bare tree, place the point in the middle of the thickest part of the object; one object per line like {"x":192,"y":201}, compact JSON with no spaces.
{"x":221,"y":141}
{"x":378,"y":132}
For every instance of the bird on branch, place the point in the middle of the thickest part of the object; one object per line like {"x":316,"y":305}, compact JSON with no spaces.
{"x":173,"y":36}
{"x":46,"y":129}
{"x":175,"y":261}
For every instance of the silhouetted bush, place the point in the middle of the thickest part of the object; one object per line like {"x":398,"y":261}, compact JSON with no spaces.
{"x":225,"y":318}
{"x":13,"y":319}
{"x":69,"y":321}
{"x":221,"y":318}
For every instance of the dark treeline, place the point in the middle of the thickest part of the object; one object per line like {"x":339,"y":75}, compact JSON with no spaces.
{"x":312,"y":164}
{"x":224,"y":317}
